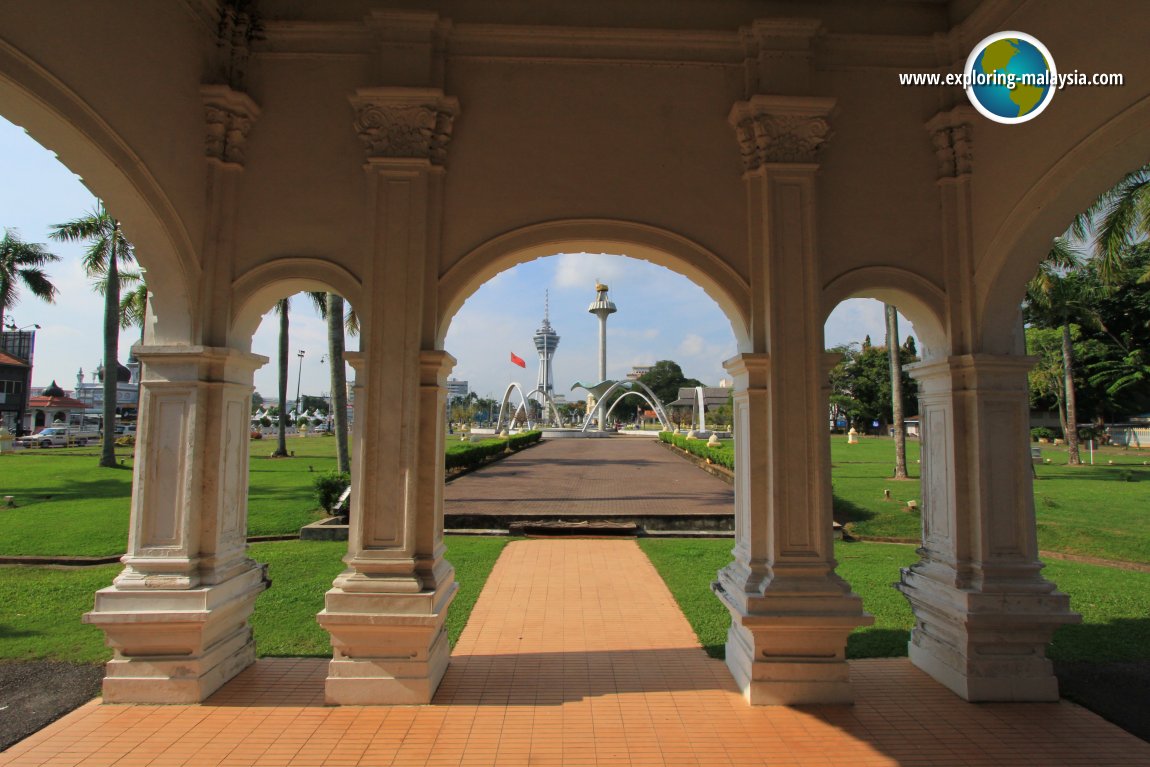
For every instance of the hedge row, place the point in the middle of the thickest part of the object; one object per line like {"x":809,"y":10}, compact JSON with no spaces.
{"x":476,"y":453}
{"x":723,"y":456}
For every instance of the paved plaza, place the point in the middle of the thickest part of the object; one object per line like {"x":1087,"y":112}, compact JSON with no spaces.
{"x":576,"y":654}
{"x":629,"y":477}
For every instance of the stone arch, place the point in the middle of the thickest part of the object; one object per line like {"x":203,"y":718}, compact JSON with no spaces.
{"x":64,"y":123}
{"x":917,"y":298}
{"x":1069,"y":186}
{"x":256,"y":291}
{"x":625,"y":238}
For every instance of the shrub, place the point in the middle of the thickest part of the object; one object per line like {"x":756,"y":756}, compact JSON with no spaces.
{"x":329,"y":487}
{"x":1042,"y":432}
{"x":475,"y":453}
{"x":723,"y":456}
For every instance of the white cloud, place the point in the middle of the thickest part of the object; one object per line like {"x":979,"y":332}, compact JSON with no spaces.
{"x":582,"y":270}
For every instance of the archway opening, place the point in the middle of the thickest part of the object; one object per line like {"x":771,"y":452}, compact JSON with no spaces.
{"x":875,"y":470}
{"x":666,"y":331}
{"x":297,"y":486}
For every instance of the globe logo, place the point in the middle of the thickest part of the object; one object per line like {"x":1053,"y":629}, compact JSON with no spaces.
{"x":1010,"y":77}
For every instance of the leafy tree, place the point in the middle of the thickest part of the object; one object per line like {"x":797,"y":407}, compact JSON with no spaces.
{"x":108,"y":249}
{"x":861,"y":386}
{"x":665,"y":378}
{"x":257,"y":401}
{"x":22,"y":263}
{"x":1057,"y":296}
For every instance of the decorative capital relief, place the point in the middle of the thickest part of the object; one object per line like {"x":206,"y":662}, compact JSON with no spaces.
{"x":951,"y":134}
{"x":230,"y":115}
{"x":781,"y":129}
{"x":435,"y":365}
{"x":404,"y":122}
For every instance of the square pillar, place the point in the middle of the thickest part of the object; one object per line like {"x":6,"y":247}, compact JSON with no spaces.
{"x":983,"y":612}
{"x":177,"y":616}
{"x":386,"y":612}
{"x":790,"y":613}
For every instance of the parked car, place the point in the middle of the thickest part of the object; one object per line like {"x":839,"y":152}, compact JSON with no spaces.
{"x":60,"y":436}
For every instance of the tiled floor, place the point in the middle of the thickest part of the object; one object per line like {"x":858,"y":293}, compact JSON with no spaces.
{"x":576,"y":654}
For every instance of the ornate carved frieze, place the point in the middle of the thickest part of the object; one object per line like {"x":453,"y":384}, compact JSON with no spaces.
{"x":230,"y":115}
{"x":404,"y":122}
{"x":951,"y":135}
{"x":780,"y":129}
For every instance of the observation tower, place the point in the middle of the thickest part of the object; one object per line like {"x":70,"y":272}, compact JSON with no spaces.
{"x":602,"y":307}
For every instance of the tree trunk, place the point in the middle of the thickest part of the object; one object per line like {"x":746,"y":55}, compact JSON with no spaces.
{"x":281,"y":447}
{"x":1070,"y":430}
{"x":335,"y":349}
{"x":896,"y":392}
{"x":111,"y":351}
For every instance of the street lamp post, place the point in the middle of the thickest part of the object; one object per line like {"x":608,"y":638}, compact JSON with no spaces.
{"x":298,"y":381}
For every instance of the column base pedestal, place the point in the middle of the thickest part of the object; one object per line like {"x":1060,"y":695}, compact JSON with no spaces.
{"x":389,"y":649}
{"x":986,"y":645}
{"x":793,"y":656}
{"x":177,"y":646}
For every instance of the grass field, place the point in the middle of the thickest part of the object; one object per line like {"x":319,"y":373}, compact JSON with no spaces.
{"x":1096,"y":511}
{"x":67,"y":505}
{"x":43,"y":606}
{"x":41,"y":620}
{"x":1115,"y":604}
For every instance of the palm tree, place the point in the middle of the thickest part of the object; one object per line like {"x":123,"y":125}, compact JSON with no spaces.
{"x":22,"y":263}
{"x":281,"y":309}
{"x":107,"y":250}
{"x":896,"y":392}
{"x":1056,"y":297}
{"x":1119,"y":219}
{"x":331,"y":307}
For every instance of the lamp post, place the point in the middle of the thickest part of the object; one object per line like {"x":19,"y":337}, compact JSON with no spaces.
{"x":298,"y":381}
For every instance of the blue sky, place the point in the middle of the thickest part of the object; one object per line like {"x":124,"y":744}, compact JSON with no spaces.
{"x":661,"y":315}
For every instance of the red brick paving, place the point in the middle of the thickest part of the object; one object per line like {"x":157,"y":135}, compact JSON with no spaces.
{"x":576,"y":654}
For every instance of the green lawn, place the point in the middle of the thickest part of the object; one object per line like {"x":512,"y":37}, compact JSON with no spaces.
{"x":1114,"y":603}
{"x":43,"y":606}
{"x":41,"y":620}
{"x":67,"y":505}
{"x":1097,"y":511}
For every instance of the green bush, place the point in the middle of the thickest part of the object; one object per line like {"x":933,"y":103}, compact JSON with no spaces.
{"x":466,"y":456}
{"x":329,"y":487}
{"x":722,"y":456}
{"x":1042,"y":432}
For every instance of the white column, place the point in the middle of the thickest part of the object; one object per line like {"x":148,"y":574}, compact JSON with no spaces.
{"x":790,"y":612}
{"x":386,"y":612}
{"x":983,"y":612}
{"x":177,"y":616}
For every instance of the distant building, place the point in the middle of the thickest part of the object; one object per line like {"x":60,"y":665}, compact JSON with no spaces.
{"x":456,"y":389}
{"x":16,"y":352}
{"x":91,"y":393}
{"x":638,"y":371}
{"x":51,"y":405}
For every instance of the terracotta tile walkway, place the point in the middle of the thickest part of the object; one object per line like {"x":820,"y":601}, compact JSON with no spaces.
{"x":577,"y":655}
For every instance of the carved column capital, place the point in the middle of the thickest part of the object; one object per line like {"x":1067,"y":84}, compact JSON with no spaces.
{"x":230,"y":115}
{"x":404,"y":122}
{"x":780,"y":129}
{"x":951,"y":133}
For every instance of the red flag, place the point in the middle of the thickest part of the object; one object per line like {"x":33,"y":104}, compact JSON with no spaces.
{"x":517,"y":361}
